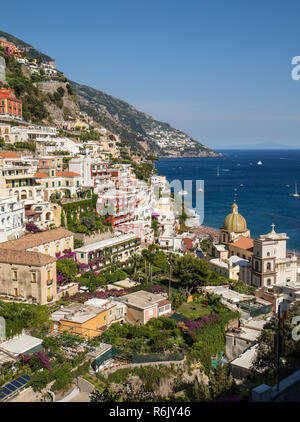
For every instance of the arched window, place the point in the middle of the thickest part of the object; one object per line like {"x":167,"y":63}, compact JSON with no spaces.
{"x":268,"y":254}
{"x":269,"y":282}
{"x":256,"y":266}
{"x":269,"y":266}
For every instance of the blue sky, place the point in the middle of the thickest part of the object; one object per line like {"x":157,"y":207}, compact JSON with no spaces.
{"x":219,"y":70}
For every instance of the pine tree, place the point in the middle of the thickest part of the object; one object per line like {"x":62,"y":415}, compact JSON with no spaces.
{"x":62,"y":218}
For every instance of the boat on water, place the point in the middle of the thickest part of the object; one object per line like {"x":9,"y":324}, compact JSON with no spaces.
{"x":225,"y":169}
{"x":218,"y":171}
{"x":182,"y":192}
{"x":259,"y":163}
{"x":295,"y":194}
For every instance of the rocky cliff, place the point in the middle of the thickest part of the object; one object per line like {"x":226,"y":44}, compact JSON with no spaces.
{"x":46,"y":99}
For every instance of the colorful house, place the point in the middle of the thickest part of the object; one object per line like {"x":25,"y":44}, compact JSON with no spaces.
{"x":82,"y":320}
{"x":10,"y":106}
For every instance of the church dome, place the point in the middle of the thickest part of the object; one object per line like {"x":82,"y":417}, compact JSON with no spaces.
{"x":235,"y":222}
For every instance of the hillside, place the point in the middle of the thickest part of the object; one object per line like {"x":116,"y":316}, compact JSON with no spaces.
{"x":28,"y":49}
{"x":48,"y":98}
{"x":122,"y":118}
{"x":43,"y":100}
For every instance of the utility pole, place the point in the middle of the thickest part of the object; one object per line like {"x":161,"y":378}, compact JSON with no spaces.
{"x":278,"y":345}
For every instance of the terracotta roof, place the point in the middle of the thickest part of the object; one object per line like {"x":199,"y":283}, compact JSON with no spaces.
{"x":25,"y":258}
{"x":163,"y":302}
{"x":244,"y":243}
{"x":9,"y":155}
{"x":36,"y":239}
{"x":67,"y":173}
{"x":40,"y":175}
{"x":103,"y":328}
{"x":188,"y":242}
{"x":29,"y":212}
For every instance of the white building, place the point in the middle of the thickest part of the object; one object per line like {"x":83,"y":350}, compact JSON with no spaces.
{"x":270,"y":264}
{"x":235,"y":268}
{"x":84,"y":166}
{"x":40,"y":214}
{"x":12,"y":134}
{"x":12,"y":219}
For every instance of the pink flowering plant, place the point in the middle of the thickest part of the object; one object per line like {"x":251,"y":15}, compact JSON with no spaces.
{"x":36,"y":360}
{"x":202,"y":322}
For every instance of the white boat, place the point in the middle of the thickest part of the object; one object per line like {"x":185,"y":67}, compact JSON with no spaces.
{"x":200,"y":190}
{"x":182,"y":192}
{"x":295,"y":195}
{"x":259,"y":163}
{"x":218,"y":172}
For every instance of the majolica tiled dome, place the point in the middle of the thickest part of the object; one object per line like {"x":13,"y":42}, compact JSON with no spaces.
{"x":235,"y":222}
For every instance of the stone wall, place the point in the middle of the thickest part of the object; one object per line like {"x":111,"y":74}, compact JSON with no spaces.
{"x":93,"y":238}
{"x":138,"y":365}
{"x":72,"y":290}
{"x":262,"y":294}
{"x":233,"y":323}
{"x":235,"y":346}
{"x":84,"y":385}
{"x":289,"y":391}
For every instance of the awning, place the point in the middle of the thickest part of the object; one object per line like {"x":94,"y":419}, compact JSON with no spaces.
{"x":106,"y":356}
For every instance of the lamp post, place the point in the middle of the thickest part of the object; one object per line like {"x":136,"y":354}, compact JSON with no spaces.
{"x":278,"y":349}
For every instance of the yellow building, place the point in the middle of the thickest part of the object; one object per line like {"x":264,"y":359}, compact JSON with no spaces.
{"x":85,"y":321}
{"x":234,"y":239}
{"x":234,"y":226}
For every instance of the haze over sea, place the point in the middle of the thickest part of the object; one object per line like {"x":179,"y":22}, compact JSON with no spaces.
{"x":261,"y":190}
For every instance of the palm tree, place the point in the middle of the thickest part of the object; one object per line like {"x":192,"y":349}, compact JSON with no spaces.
{"x":140,"y":277}
{"x":145,"y":254}
{"x":151,"y":255}
{"x":171,"y":262}
{"x":135,"y":259}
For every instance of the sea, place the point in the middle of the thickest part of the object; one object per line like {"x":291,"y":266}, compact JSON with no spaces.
{"x":262,"y":192}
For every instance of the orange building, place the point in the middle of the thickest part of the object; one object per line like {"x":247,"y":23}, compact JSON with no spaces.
{"x":10,"y":48}
{"x":85,"y":321}
{"x":9,"y":104}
